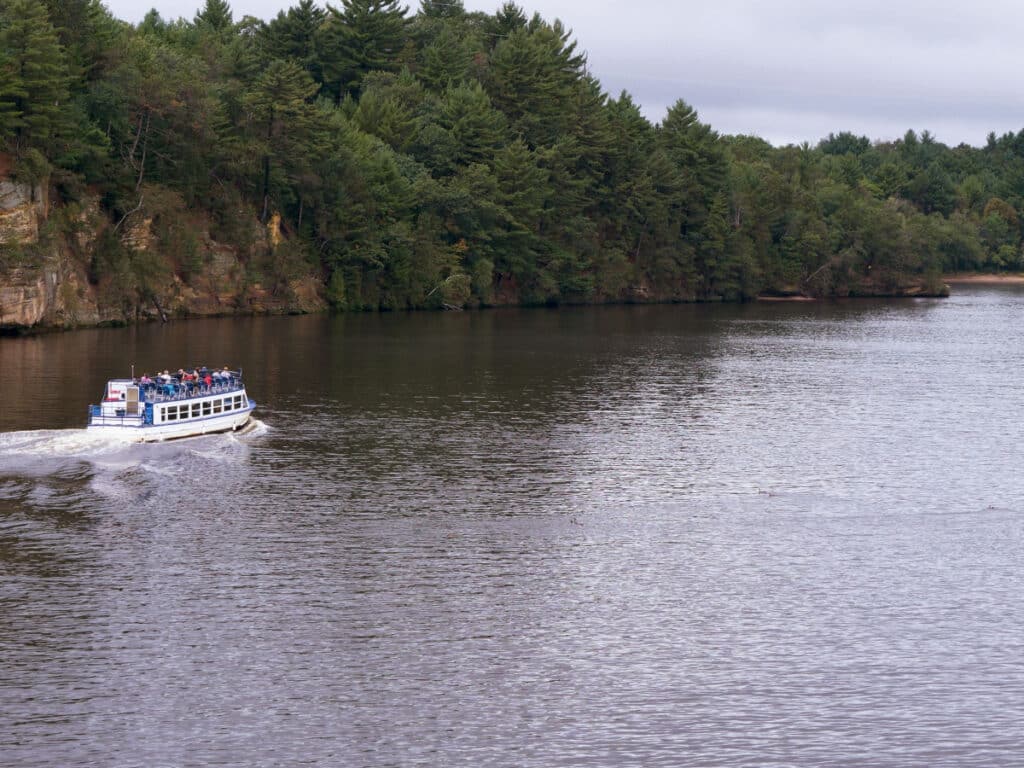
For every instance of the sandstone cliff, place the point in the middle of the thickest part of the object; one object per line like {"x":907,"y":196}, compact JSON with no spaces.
{"x":56,"y":270}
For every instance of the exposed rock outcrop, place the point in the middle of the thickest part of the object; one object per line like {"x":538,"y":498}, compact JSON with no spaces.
{"x":53,"y":282}
{"x":138,"y":233}
{"x":24,"y":299}
{"x":22,"y":209}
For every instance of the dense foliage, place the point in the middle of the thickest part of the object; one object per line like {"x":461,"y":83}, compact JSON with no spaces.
{"x":456,"y":158}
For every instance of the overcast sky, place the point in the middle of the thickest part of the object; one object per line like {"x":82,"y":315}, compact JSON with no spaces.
{"x":786,"y":70}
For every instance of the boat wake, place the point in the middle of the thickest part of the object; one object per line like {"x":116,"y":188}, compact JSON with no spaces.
{"x":57,"y":468}
{"x":26,"y":449}
{"x":41,"y":451}
{"x":255,"y":428}
{"x":56,"y":441}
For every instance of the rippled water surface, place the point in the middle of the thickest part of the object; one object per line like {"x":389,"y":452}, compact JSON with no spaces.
{"x":784,"y":534}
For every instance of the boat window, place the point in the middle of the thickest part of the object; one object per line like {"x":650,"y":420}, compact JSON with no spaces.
{"x":227,"y":403}
{"x":171,"y":413}
{"x":238,"y":401}
{"x":195,"y":410}
{"x":206,"y":408}
{"x":216,"y":406}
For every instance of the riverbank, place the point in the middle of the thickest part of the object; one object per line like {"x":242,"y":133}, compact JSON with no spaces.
{"x":42,"y":301}
{"x":980,"y":278}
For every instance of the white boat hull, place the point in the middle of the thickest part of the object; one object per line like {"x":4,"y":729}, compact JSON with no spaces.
{"x":134,"y":429}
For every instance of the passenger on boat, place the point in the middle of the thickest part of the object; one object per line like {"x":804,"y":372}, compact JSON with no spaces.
{"x":145,"y":379}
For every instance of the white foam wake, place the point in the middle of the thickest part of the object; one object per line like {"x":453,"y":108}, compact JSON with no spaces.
{"x":63,"y":443}
{"x":255,"y":428}
{"x":84,"y":443}
{"x":41,"y":452}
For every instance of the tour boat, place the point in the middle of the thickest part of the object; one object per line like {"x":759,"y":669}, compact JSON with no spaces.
{"x":168,"y":406}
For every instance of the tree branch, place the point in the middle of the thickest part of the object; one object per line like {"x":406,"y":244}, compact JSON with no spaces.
{"x":133,"y":210}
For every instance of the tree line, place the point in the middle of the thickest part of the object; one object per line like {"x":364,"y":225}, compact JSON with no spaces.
{"x":446,"y":157}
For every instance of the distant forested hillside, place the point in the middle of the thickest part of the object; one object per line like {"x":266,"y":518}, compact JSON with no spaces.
{"x":450,"y":158}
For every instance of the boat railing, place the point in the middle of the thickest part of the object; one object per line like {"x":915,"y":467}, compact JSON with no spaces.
{"x":163,"y":392}
{"x":120,"y":417}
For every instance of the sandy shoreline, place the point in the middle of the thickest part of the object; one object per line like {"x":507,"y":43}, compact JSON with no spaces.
{"x":952,"y":279}
{"x":979,"y":279}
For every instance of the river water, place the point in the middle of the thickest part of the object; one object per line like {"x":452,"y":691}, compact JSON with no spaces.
{"x":772,"y":534}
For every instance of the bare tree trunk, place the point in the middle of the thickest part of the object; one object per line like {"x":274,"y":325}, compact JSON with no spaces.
{"x":159,"y":309}
{"x":145,"y":143}
{"x":266,"y":189}
{"x":266,"y":170}
{"x":138,"y":137}
{"x":129,"y":213}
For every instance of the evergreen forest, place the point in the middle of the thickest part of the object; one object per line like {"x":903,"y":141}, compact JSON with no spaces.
{"x":438,"y":157}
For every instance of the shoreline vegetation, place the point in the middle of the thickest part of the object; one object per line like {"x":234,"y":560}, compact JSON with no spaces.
{"x":359,"y":156}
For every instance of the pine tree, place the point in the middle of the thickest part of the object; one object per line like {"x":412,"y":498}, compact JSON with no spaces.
{"x":505,"y":21}
{"x":624,"y":207}
{"x":446,"y":59}
{"x":383,"y":115}
{"x":477,"y":128}
{"x":152,"y":23}
{"x":532,"y":77}
{"x":282,"y":119}
{"x":522,"y":192}
{"x":216,"y":15}
{"x":12,"y":92}
{"x":700,"y":161}
{"x":37,"y":81}
{"x":363,"y":36}
{"x":291,"y":35}
{"x":87,"y":32}
{"x":713,"y":251}
{"x":442,"y":9}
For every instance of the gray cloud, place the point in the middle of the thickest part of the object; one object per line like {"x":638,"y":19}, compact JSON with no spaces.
{"x":789,"y":70}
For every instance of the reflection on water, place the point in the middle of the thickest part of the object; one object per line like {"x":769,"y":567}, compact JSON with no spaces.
{"x":750,"y":535}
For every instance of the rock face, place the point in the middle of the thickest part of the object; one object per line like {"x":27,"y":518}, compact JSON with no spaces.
{"x":138,"y":234}
{"x":46,"y":283}
{"x":55,"y":296}
{"x":24,"y":299}
{"x":22,"y":208}
{"x":25,"y":295}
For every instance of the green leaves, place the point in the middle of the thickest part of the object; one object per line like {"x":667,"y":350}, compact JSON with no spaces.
{"x":461,"y":158}
{"x":34,"y":89}
{"x":216,"y":15}
{"x":532,"y":77}
{"x":362,"y":36}
{"x":291,"y":35}
{"x":280,"y":121}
